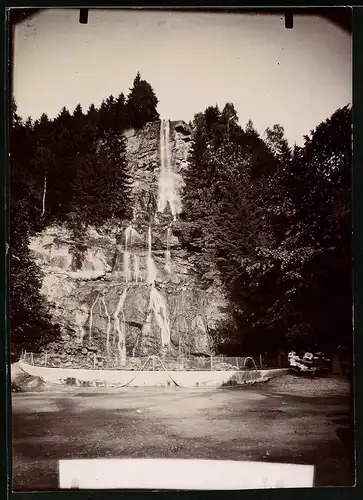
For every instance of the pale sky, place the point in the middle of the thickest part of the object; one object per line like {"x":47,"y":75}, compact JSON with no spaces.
{"x":296,"y":78}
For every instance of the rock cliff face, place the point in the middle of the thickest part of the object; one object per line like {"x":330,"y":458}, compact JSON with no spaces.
{"x":137,"y":292}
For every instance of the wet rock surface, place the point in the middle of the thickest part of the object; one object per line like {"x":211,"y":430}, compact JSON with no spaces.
{"x":86,"y":301}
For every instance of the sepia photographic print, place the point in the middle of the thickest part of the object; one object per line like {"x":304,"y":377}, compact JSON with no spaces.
{"x":180,"y":297}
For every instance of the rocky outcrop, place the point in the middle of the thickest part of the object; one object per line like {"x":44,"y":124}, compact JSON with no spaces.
{"x":106,"y":303}
{"x":183,"y":129}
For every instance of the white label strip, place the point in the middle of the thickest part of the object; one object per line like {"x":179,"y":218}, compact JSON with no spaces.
{"x":172,"y":474}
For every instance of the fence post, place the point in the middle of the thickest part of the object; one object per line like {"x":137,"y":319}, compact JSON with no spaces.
{"x":211,"y":362}
{"x":32,"y":357}
{"x":45,"y":360}
{"x":153,"y":363}
{"x":237,"y":364}
{"x":261,"y":361}
{"x":24,"y":358}
{"x":94,"y":361}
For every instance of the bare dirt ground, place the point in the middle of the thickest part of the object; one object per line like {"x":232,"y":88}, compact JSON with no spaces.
{"x":287,"y":419}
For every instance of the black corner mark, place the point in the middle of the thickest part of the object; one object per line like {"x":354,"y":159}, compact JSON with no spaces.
{"x":83,"y":16}
{"x":289,"y":20}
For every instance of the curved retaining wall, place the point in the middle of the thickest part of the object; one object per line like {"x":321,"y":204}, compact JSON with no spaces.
{"x":120,"y":378}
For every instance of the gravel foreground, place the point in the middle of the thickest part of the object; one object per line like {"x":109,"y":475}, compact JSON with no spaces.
{"x":288,"y":419}
{"x":310,"y":387}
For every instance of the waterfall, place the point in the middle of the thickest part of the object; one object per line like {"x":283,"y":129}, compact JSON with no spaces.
{"x":91,"y":317}
{"x":168,"y":261}
{"x":167,"y":252}
{"x":158,"y":306}
{"x":162,"y":198}
{"x":149,"y":242}
{"x":151,"y":269}
{"x":166,"y":141}
{"x":120,"y":328}
{"x":136,"y":267}
{"x":127,"y":266}
{"x":128,"y":234}
{"x":108,"y":321}
{"x":80,"y":320}
{"x":168,"y":180}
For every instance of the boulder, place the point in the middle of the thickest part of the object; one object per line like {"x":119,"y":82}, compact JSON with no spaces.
{"x":182,"y":128}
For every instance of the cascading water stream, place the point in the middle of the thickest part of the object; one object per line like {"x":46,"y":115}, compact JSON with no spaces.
{"x":167,"y":252}
{"x":91,"y":317}
{"x":108,"y":322}
{"x":80,"y":323}
{"x":168,"y":194}
{"x":158,"y":306}
{"x":120,"y":328}
{"x":151,"y":269}
{"x":162,"y":196}
{"x":127,"y":273}
{"x":136,"y":267}
{"x":168,"y":189}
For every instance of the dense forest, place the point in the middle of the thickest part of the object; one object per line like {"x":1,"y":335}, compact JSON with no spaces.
{"x":274,"y":220}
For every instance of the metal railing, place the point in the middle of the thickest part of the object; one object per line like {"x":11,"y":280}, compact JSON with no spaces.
{"x":94,"y":361}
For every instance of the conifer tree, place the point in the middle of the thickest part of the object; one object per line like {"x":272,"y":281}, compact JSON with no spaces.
{"x":77,"y":117}
{"x":29,"y":323}
{"x":102,"y":183}
{"x":120,"y":114}
{"x":275,"y":223}
{"x":320,"y":186}
{"x":278,"y":144}
{"x":229,"y":120}
{"x":141,"y":103}
{"x":43,"y":166}
{"x":91,"y":125}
